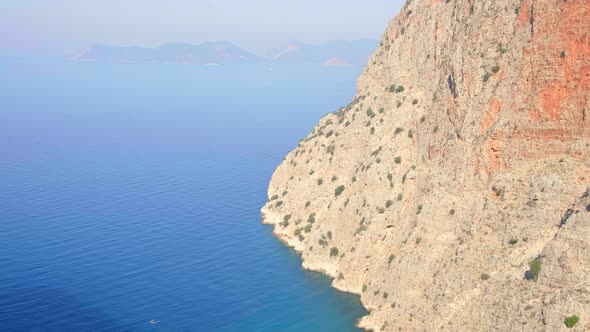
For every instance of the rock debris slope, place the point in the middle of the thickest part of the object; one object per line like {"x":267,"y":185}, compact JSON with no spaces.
{"x":452,"y":192}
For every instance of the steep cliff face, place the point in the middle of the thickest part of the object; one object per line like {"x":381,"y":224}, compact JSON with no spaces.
{"x":452,"y":192}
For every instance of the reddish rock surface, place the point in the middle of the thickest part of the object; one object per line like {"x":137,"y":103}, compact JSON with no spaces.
{"x":464,"y":157}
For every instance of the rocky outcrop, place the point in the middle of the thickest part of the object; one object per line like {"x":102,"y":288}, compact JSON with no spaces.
{"x":451,"y":193}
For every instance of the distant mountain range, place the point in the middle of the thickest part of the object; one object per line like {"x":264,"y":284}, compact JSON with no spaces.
{"x":207,"y":53}
{"x":337,"y":53}
{"x":334,"y":53}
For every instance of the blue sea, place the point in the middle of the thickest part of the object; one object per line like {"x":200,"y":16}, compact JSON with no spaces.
{"x":131,"y":193}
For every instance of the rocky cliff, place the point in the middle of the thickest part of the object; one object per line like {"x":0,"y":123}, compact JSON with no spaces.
{"x":452,"y":192}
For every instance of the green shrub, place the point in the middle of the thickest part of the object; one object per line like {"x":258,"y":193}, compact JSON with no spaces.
{"x":334,"y":178}
{"x":388,"y":204}
{"x":330,"y":235}
{"x":381,"y":210}
{"x":418,"y":240}
{"x":398,"y":160}
{"x":311,"y":218}
{"x":338,"y":191}
{"x":320,"y":182}
{"x":513,"y":241}
{"x":398,"y":130}
{"x":495,"y":69}
{"x":307,"y":204}
{"x":415,"y":101}
{"x":486,"y":77}
{"x":535,"y":268}
{"x":370,"y":113}
{"x":391,"y":258}
{"x":400,"y":89}
{"x":331,"y":149}
{"x":279,"y":203}
{"x":330,"y":133}
{"x":286,"y":218}
{"x":423,"y":119}
{"x":360,"y":230}
{"x":562,"y":54}
{"x":484,"y":276}
{"x":333,"y":251}
{"x":419,"y":210}
{"x":452,"y":212}
{"x":400,"y":196}
{"x":274,"y":197}
{"x":410,"y":133}
{"x":392,"y":88}
{"x":398,"y":104}
{"x":571,"y":321}
{"x":364,"y":288}
{"x":385,"y":295}
{"x":307,"y":228}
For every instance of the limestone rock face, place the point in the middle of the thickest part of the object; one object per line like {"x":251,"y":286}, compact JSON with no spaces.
{"x":452,"y":192}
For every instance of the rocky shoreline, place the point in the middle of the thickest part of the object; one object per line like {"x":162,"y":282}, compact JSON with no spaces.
{"x":452,"y":192}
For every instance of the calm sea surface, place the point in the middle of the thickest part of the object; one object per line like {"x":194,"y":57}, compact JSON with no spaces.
{"x":131,"y":193}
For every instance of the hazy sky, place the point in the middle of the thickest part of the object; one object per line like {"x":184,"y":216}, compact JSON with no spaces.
{"x":64,"y":25}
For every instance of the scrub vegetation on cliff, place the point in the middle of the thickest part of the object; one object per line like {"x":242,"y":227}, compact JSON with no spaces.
{"x":480,"y":211}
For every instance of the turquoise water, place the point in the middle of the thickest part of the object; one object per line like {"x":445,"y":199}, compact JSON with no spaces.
{"x":131,"y":193}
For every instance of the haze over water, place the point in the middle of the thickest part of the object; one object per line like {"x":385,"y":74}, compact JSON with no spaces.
{"x":131,"y":193}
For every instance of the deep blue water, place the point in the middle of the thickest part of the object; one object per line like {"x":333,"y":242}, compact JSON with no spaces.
{"x":132,"y":192}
